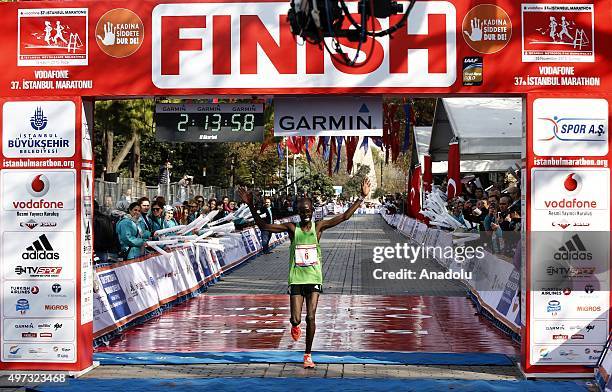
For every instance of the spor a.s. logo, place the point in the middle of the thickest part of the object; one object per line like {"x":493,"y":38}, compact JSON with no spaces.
{"x":568,"y":129}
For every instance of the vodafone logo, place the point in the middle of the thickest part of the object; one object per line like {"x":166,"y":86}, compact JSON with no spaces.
{"x":572,"y":184}
{"x":38,"y":185}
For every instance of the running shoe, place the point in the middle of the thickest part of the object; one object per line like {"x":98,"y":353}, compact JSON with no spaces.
{"x":296,"y":332}
{"x":308,"y":362}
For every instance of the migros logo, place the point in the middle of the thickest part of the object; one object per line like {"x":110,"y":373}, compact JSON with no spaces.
{"x":200,"y":45}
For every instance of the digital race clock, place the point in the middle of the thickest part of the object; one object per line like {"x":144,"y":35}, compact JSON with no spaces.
{"x":209,"y":122}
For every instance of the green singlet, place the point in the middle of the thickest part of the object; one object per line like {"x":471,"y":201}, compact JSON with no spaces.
{"x":304,"y":262}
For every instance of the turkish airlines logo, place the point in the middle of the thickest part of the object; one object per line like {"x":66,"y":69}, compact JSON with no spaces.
{"x":38,"y":185}
{"x":201,"y":45}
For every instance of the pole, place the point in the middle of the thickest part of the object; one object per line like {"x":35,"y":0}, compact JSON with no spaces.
{"x":294,"y":183}
{"x":381,"y":174}
{"x":286,"y":161}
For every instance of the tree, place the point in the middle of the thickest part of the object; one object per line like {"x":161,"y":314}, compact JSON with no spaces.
{"x":352,"y":188}
{"x":318,"y":184}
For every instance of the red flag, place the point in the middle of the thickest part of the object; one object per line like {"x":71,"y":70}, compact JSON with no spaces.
{"x":454,"y":171}
{"x":427,"y":174}
{"x":415,"y":192}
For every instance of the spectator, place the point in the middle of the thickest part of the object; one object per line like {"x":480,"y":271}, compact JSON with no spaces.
{"x":265,"y":235}
{"x":515,"y":195}
{"x":193,"y":211}
{"x":493,"y":201}
{"x":156,"y":217}
{"x":491,"y":225}
{"x":232,"y":206}
{"x":108,"y":205}
{"x":160,"y":200}
{"x":164,"y":173}
{"x":184,"y":184}
{"x":504,"y":213}
{"x":168,"y":220}
{"x":145,"y":221}
{"x":200,"y":202}
{"x":104,"y":234}
{"x":126,"y":195}
{"x":131,"y":236}
{"x":479,"y":194}
{"x":225,"y":205}
{"x":457,"y":212}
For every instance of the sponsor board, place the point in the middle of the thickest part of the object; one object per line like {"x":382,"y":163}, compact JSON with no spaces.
{"x":570,"y":331}
{"x":562,"y":308}
{"x":86,"y":254}
{"x":565,"y":354}
{"x":570,"y":194}
{"x":38,"y":129}
{"x":38,"y":352}
{"x":313,"y":116}
{"x":55,"y":299}
{"x":52,"y":37}
{"x":38,"y":193}
{"x":570,"y":127}
{"x":38,"y":330}
{"x":558,"y":33}
{"x":34,"y":255}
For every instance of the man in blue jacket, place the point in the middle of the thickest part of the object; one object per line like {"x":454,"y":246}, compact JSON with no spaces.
{"x":131,"y":236}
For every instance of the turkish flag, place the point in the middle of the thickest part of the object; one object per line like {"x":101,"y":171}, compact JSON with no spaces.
{"x":415,"y":192}
{"x":454,"y":171}
{"x":427,"y":173}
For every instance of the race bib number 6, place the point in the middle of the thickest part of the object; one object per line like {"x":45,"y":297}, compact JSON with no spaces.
{"x":306,"y":255}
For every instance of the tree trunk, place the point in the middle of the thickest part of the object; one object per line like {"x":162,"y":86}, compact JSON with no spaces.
{"x":116,"y":163}
{"x":136,"y":162}
{"x":109,"y":140}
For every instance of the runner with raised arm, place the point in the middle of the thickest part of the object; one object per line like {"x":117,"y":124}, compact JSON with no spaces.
{"x":305,"y":276}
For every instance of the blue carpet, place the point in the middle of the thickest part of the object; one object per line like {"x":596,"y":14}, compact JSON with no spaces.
{"x":280,"y":356}
{"x":308,"y":384}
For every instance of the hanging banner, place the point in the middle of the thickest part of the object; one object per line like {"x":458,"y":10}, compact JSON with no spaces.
{"x":313,"y":116}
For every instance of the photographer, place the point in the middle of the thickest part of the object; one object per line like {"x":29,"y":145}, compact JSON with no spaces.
{"x":184,"y":184}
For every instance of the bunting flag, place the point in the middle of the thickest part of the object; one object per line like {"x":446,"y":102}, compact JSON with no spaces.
{"x":427,"y":173}
{"x":364,"y":144}
{"x":326,"y":148}
{"x":453,"y":188}
{"x":291,"y":145}
{"x":309,"y":142}
{"x":415,"y":192}
{"x":332,"y":149}
{"x":279,"y":150}
{"x":339,"y":140}
{"x":407,"y":112}
{"x":268,"y":141}
{"x":351,"y":148}
{"x":395,"y":135}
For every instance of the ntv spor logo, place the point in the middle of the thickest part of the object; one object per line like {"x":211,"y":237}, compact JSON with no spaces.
{"x":38,"y":120}
{"x":573,"y":129}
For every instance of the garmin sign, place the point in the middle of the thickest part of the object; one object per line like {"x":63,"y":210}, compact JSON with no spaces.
{"x":339,"y":116}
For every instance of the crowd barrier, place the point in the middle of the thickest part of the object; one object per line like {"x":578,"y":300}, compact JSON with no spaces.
{"x":130,"y":292}
{"x":494,"y":285}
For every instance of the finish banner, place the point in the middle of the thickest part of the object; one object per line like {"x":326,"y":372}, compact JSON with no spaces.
{"x":149,"y":48}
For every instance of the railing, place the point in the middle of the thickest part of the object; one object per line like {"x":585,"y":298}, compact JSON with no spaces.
{"x":172,"y":192}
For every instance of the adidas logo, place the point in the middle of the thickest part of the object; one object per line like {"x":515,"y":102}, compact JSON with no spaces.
{"x":40,"y":249}
{"x":573,"y":249}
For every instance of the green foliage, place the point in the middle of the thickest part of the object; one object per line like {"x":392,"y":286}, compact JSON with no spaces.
{"x":378,"y":193}
{"x":318,"y":184}
{"x":352,"y":187}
